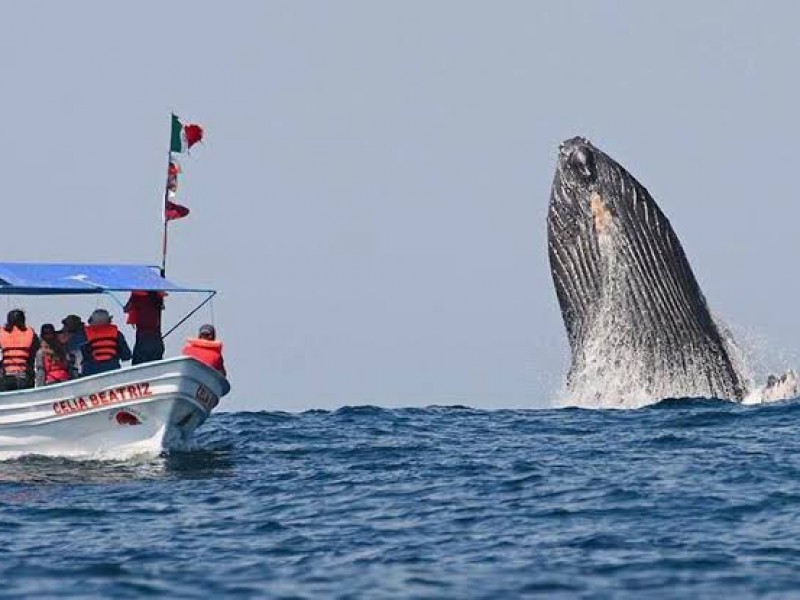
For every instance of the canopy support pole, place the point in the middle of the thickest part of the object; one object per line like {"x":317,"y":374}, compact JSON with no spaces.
{"x":186,"y":318}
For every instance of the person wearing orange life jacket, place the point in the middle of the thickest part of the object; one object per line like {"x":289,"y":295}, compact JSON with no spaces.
{"x":19,"y":344}
{"x":144,"y":313}
{"x":206,"y":348}
{"x":53,"y":363}
{"x":105,"y":345}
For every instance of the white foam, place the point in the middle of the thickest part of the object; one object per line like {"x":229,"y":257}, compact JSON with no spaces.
{"x":613,"y":372}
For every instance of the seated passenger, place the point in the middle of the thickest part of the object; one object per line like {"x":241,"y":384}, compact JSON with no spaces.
{"x":73,"y":336}
{"x":206,"y":348}
{"x":105,"y":345}
{"x":19,"y":344}
{"x":144,"y":313}
{"x":53,"y":363}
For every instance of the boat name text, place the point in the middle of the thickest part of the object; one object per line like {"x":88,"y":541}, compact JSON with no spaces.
{"x":112,"y":396}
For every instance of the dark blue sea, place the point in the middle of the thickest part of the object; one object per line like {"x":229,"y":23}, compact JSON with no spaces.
{"x":685,"y":499}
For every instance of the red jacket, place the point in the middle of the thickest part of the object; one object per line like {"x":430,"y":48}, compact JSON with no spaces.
{"x":144,"y":311}
{"x":208,"y":352}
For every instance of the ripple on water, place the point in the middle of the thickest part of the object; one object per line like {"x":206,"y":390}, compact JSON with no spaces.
{"x":684,"y":499}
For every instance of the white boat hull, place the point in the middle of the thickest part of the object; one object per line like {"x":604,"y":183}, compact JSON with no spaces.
{"x":145,"y":409}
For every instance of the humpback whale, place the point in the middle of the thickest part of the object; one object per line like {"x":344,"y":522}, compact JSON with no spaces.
{"x":638,"y":325}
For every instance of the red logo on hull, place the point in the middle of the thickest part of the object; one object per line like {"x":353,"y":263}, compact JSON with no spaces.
{"x":126,"y":418}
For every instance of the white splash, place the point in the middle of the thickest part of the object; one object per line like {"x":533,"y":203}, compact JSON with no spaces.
{"x":784,"y":387}
{"x":612,"y":370}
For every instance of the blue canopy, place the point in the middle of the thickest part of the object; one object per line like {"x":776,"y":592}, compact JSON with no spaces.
{"x":43,"y":279}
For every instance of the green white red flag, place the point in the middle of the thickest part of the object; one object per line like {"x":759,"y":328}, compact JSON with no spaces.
{"x":182,"y":138}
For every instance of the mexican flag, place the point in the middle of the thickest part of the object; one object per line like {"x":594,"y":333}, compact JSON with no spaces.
{"x":184,"y":136}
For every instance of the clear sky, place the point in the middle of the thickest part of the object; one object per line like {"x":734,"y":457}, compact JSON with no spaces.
{"x":371,"y":196}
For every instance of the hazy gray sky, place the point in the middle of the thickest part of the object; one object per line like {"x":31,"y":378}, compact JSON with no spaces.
{"x":372,"y":193}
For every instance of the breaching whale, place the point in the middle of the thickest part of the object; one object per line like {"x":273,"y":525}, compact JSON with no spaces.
{"x":639,"y":327}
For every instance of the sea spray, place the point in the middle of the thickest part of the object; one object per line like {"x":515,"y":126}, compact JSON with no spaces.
{"x":623,"y":363}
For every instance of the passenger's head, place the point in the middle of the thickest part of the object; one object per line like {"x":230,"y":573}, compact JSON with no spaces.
{"x":72,"y":323}
{"x":207,"y":332}
{"x":47,"y":332}
{"x":100,"y":317}
{"x":15,"y":318}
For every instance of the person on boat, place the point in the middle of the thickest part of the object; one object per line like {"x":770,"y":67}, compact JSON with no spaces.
{"x":53,"y":362}
{"x":73,"y":336}
{"x":19,"y":344}
{"x":206,"y":348}
{"x":105,"y":345}
{"x":144,"y":313}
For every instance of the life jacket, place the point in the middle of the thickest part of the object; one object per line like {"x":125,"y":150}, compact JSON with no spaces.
{"x":208,"y":352}
{"x":16,"y":345}
{"x":55,"y":369}
{"x":102,"y":340}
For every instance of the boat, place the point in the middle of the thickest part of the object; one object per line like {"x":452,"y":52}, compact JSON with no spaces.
{"x":145,"y":409}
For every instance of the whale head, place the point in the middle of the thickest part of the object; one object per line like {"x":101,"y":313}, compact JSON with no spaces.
{"x":587,"y":180}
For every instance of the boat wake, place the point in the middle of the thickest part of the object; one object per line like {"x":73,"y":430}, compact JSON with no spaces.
{"x":214,"y":461}
{"x":146,"y":451}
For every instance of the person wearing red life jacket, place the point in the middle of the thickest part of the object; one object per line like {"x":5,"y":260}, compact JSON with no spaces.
{"x":144,"y":313}
{"x":19,"y":344}
{"x":105,"y":345}
{"x":206,"y":348}
{"x":53,"y":363}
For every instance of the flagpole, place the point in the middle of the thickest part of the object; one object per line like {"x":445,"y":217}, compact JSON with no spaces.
{"x":185,"y":136}
{"x":164,"y":245}
{"x":164,"y":221}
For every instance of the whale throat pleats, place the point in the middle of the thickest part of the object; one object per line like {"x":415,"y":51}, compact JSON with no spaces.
{"x":638,"y":325}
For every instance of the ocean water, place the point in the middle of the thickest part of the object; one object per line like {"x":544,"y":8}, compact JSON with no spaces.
{"x":685,"y":499}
